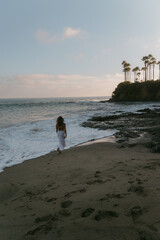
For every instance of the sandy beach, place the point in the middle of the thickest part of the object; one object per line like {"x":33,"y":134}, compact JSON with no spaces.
{"x":98,"y":191}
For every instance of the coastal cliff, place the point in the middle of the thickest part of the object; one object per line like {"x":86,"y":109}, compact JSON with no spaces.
{"x":138,"y":91}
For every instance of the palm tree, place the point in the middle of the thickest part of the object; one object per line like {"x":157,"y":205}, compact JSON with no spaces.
{"x":159,"y":68}
{"x":135,"y":70}
{"x":149,"y":70}
{"x":126,"y":69}
{"x":138,"y":75}
{"x":150,"y":57}
{"x":143,"y":69}
{"x":145,"y":59}
{"x":124,"y":62}
{"x":153,"y":64}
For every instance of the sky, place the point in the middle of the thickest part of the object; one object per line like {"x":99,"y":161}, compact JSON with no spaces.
{"x":73,"y":48}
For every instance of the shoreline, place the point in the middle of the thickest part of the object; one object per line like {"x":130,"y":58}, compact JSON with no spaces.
{"x":101,"y":191}
{"x":110,"y":138}
{"x":143,"y":139}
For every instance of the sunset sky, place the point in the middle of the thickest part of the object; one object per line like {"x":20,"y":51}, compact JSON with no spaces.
{"x":69,"y":48}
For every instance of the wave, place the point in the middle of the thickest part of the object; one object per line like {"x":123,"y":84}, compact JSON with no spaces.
{"x":25,"y":103}
{"x":39,"y":104}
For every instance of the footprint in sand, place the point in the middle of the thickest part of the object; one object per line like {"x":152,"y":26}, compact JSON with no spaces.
{"x":131,"y":181}
{"x":64,"y":213}
{"x":46,"y":218}
{"x":129,"y":174}
{"x":136,"y":212}
{"x":136,"y":189}
{"x":139,"y":181}
{"x":95,"y":181}
{"x":111,"y":177}
{"x":50,"y":199}
{"x":69,"y":194}
{"x":87,"y":212}
{"x":66,"y":204}
{"x":120,"y":162}
{"x":105,"y":214}
{"x":45,"y":228}
{"x":46,"y":224}
{"x":98,"y":179}
{"x":97,"y":174}
{"x":112,"y":195}
{"x":116,"y":205}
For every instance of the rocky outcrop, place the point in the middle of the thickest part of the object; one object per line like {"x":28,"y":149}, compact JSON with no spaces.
{"x":131,"y":125}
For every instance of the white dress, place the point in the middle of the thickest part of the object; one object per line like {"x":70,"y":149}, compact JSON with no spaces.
{"x":61,"y":139}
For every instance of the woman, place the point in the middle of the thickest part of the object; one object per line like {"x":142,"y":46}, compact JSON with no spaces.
{"x":61,"y":133}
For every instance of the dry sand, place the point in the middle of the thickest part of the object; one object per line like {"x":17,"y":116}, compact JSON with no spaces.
{"x":99,"y":191}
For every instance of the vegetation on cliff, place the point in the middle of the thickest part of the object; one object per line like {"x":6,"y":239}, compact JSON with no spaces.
{"x":145,"y":73}
{"x":138,"y":91}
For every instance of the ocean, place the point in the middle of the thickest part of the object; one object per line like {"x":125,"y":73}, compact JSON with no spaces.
{"x":27,"y":126}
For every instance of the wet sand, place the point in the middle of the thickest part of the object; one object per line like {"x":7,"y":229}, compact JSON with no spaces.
{"x":98,"y":191}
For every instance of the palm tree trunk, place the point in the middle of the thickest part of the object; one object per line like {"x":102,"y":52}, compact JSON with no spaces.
{"x":149,"y":72}
{"x":145,"y":72}
{"x":135,"y":74}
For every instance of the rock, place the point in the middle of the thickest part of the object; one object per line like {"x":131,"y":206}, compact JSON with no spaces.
{"x":131,"y":126}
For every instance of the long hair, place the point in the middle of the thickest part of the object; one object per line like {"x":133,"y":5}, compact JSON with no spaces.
{"x":60,"y":121}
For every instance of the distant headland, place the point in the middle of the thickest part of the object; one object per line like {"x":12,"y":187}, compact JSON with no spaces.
{"x":144,"y":88}
{"x":138,"y":91}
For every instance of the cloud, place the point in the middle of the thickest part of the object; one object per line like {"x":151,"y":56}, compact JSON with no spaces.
{"x":69,"y":32}
{"x":43,"y":85}
{"x":75,"y":77}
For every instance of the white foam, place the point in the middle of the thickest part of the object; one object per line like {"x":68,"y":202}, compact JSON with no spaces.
{"x":30,"y":140}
